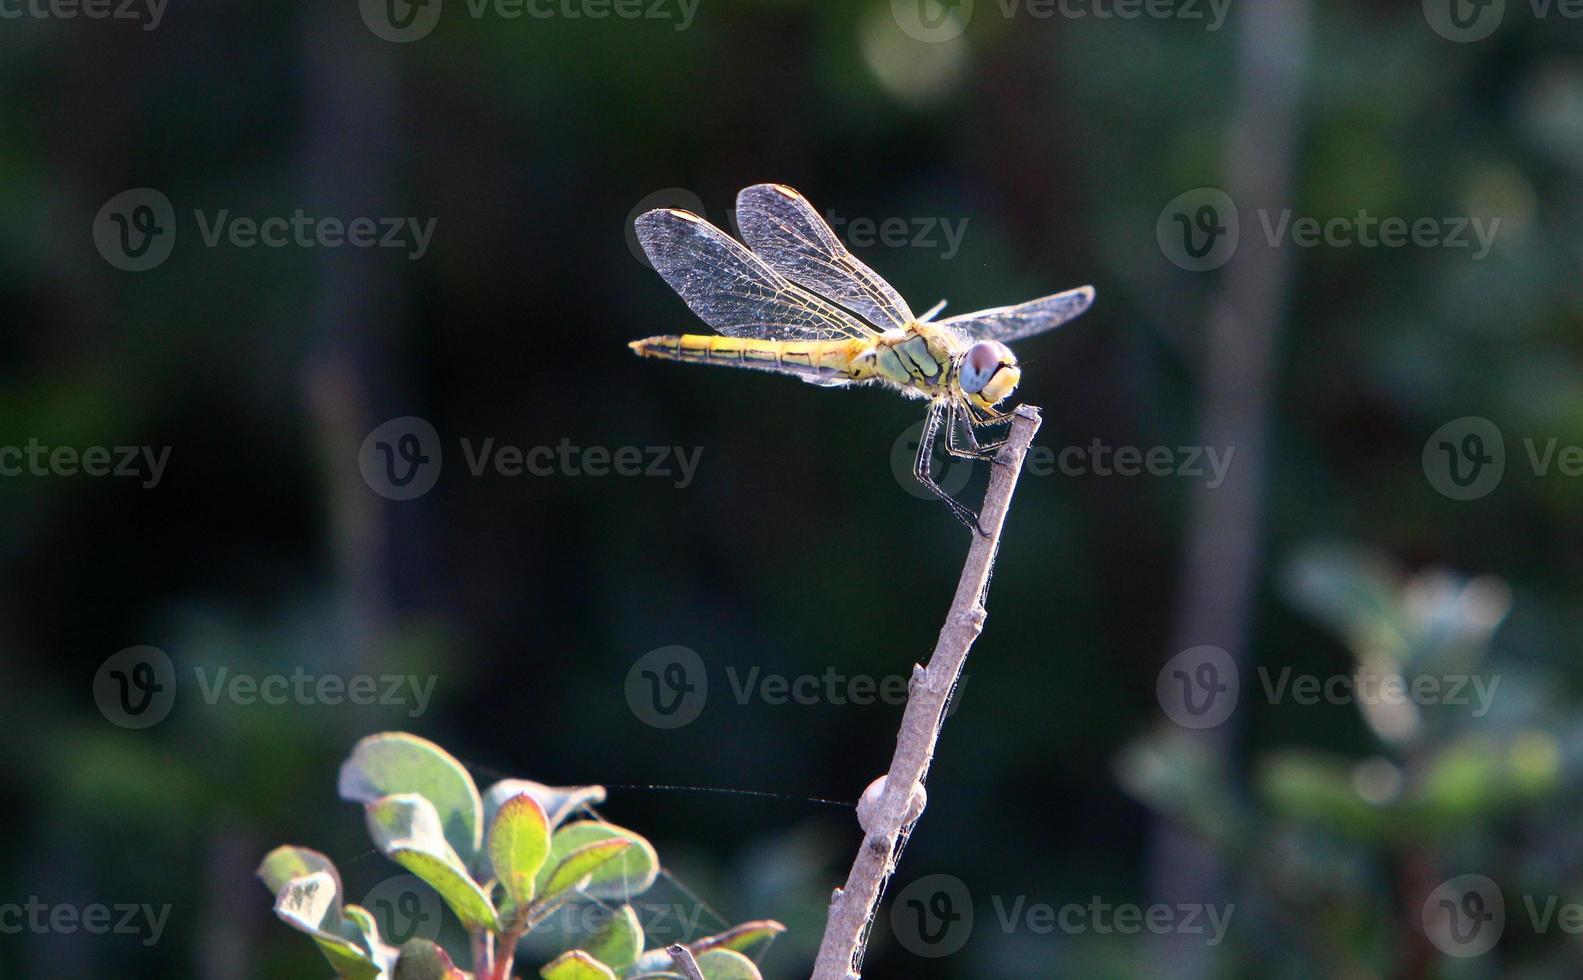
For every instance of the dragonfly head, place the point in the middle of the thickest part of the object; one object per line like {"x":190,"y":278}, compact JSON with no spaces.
{"x":989,"y":373}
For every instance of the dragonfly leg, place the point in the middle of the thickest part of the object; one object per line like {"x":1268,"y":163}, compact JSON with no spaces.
{"x":973,"y":449}
{"x":931,"y":432}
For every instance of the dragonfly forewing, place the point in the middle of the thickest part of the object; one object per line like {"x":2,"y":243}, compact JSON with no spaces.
{"x":732,"y":290}
{"x":786,"y":232}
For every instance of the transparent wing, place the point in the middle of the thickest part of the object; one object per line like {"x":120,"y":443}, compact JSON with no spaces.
{"x":786,"y":232}
{"x":732,"y":290}
{"x":1008,"y":323}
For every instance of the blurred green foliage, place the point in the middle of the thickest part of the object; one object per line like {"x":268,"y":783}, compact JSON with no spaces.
{"x":530,"y":141}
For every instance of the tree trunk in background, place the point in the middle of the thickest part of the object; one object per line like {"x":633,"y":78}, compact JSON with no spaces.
{"x":1220,"y":565}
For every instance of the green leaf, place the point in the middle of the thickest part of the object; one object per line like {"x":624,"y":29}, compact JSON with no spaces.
{"x":578,"y":866}
{"x":360,"y":919}
{"x":618,"y":942}
{"x":743,"y":936}
{"x":306,"y":905}
{"x":727,"y":964}
{"x":519,"y":843}
{"x":406,"y":829}
{"x":395,"y":762}
{"x":286,"y":863}
{"x":423,"y":960}
{"x":630,"y":874}
{"x":574,"y":964}
{"x":559,"y":802}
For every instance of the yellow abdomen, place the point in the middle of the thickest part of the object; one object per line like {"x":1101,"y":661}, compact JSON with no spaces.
{"x":814,"y":360}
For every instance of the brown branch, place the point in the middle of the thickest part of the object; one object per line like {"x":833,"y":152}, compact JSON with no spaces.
{"x":894,"y":803}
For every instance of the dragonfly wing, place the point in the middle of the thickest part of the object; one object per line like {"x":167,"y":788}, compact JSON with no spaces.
{"x":1009,"y":323}
{"x":786,"y":232}
{"x":732,"y":290}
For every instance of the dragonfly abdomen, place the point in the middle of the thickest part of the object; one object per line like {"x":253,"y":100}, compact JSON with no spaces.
{"x":814,"y":360}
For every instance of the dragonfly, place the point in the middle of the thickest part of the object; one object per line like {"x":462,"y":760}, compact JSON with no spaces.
{"x":795,"y":301}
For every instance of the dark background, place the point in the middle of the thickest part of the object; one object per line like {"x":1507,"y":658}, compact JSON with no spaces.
{"x":797,"y":549}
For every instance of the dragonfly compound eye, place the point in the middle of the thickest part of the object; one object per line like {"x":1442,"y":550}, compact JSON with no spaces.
{"x":982,"y":361}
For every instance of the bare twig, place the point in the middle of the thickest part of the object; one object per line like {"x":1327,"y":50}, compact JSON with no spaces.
{"x":894,"y":805}
{"x":683,"y":958}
